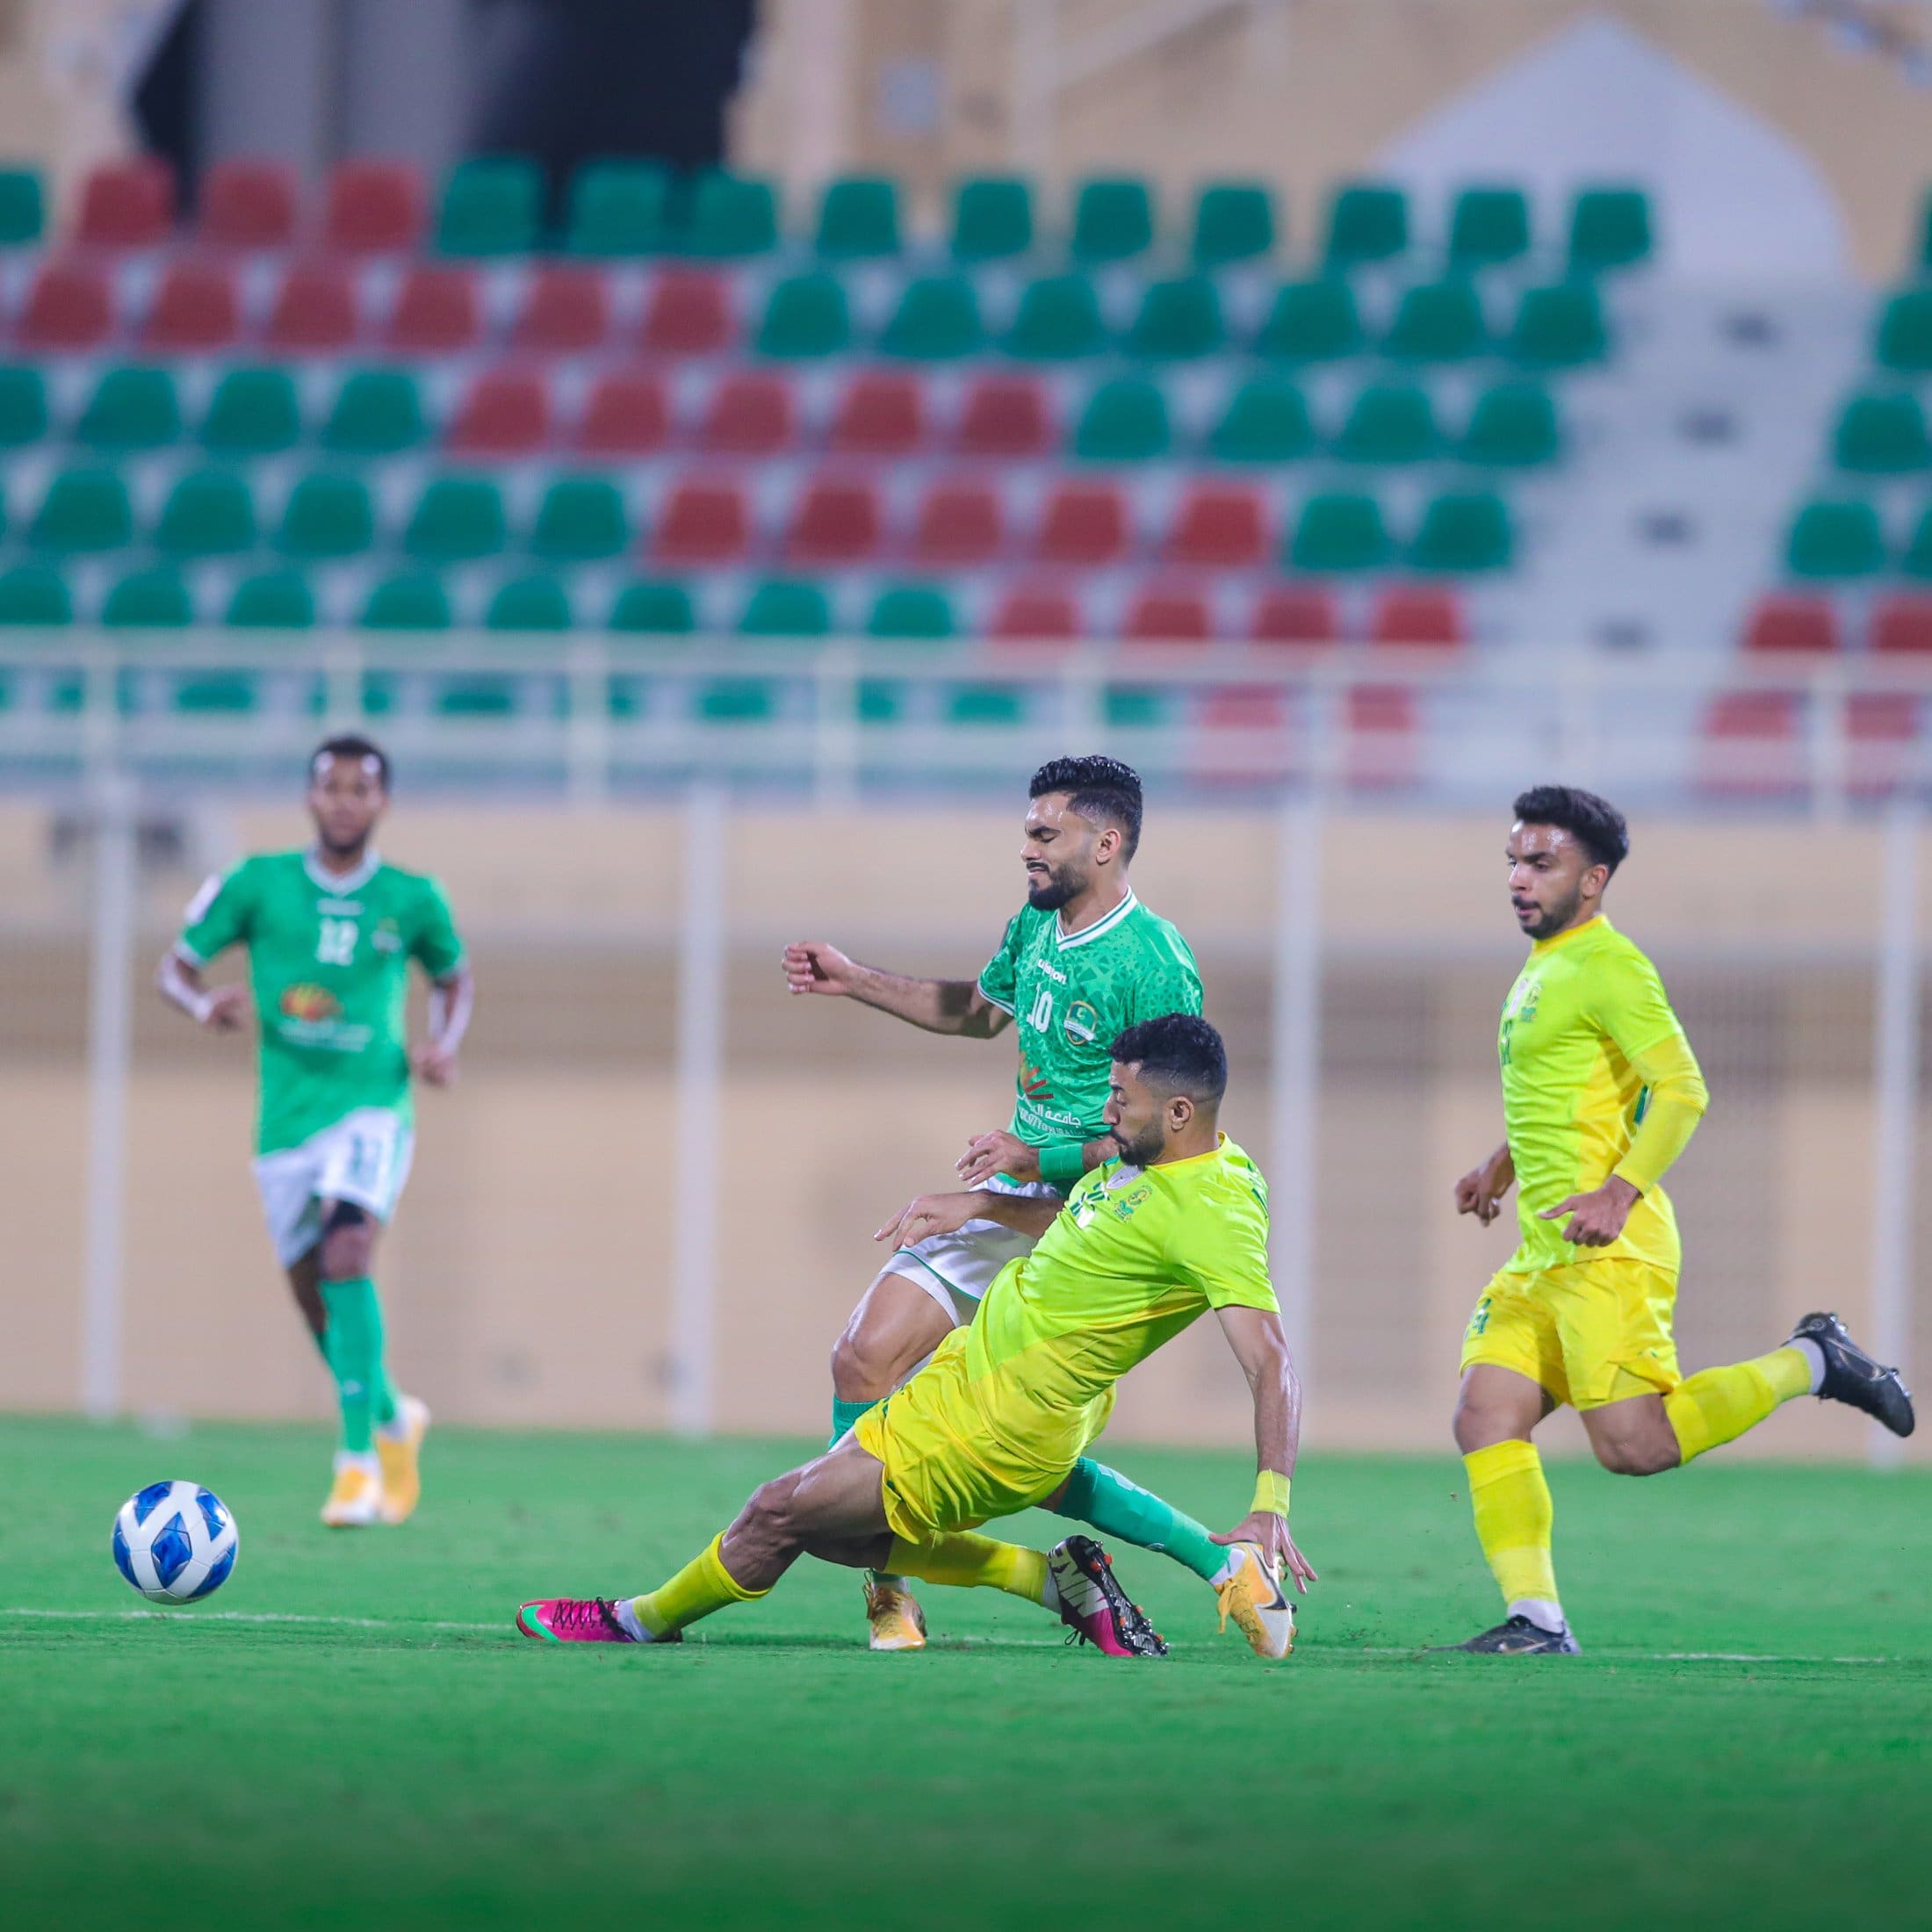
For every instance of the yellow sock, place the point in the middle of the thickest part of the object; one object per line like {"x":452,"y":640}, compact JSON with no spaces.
{"x":700,"y":1587}
{"x":1717,"y":1405}
{"x":1513,"y":1518}
{"x":966,"y":1561}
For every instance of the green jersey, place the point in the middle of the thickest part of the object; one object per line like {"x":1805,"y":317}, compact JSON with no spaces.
{"x":1071,"y":994}
{"x":328,"y":961}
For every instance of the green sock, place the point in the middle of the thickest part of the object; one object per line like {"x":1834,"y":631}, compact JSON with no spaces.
{"x":355,"y":1354}
{"x":1106,"y":1500}
{"x":844,"y":1414}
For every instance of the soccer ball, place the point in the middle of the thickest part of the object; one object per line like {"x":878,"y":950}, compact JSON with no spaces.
{"x":175,"y":1541}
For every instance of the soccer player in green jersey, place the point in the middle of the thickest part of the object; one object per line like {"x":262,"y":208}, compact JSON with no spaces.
{"x":1600,"y":1094}
{"x":1082,"y":961}
{"x":330,"y":933}
{"x":1174,"y":1222}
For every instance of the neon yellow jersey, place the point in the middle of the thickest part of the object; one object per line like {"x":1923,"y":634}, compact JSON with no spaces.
{"x":1132,"y":1257}
{"x":1586,"y":1031}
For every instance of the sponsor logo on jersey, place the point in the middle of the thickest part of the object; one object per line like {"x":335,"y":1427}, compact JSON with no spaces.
{"x":309,"y":1003}
{"x":1081,"y":1023}
{"x":1053,"y":973}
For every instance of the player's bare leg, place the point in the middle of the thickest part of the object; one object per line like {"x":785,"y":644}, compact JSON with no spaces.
{"x":305,"y":1282}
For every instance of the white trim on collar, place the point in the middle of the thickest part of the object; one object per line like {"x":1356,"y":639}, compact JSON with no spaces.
{"x":340,"y":884}
{"x":1106,"y":923}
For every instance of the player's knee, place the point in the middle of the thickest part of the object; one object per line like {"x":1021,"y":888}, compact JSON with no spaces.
{"x":1478,"y":1428}
{"x":772,"y":1512}
{"x":348,"y":1243}
{"x":1638,"y":1456}
{"x":859,"y":1372}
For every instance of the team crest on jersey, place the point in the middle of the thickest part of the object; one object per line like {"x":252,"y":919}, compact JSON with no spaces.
{"x":1081,"y":1023}
{"x":388,"y":937}
{"x":309,"y":1002}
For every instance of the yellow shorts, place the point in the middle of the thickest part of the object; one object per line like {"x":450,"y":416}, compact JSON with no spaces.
{"x":1590,"y":1334}
{"x":958,"y":1452}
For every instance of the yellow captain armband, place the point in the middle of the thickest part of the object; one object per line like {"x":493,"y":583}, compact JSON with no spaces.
{"x":1270,"y":1493}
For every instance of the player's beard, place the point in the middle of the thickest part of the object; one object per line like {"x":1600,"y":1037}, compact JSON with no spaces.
{"x":1553,"y":918}
{"x":1050,"y":894}
{"x":1145,"y":1148}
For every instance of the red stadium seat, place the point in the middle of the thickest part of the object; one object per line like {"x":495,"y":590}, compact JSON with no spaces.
{"x":687,"y":313}
{"x":625,"y":415}
{"x":195,"y":307}
{"x":127,"y":204}
{"x":1787,"y":621}
{"x":835,"y":521}
{"x":1168,"y":613}
{"x":248,"y":204}
{"x":1294,"y":613}
{"x":1006,"y":416}
{"x":1887,"y":754}
{"x":703,"y":523}
{"x":1902,"y":624}
{"x":1027,"y":612}
{"x":372,"y":207}
{"x":1219,"y":526}
{"x":315,"y":309}
{"x":1085,"y":524}
{"x":749,"y":415}
{"x":1416,"y":614}
{"x":435,"y":311}
{"x":1753,"y":744}
{"x":880,"y":415}
{"x":565,"y":309}
{"x":1383,"y":744}
{"x":70,"y":306}
{"x":506,"y":413}
{"x":959,"y":525}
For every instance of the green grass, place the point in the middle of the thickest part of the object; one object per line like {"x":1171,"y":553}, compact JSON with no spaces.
{"x":401,"y":1758}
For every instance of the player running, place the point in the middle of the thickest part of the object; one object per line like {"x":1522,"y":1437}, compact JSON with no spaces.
{"x":1080,"y":962}
{"x":1173,"y":1223}
{"x":1600,"y":1094}
{"x":330,"y":932}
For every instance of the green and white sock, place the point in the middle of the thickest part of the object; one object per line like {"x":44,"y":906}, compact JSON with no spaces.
{"x":356,"y":1356}
{"x":1105,"y":1499}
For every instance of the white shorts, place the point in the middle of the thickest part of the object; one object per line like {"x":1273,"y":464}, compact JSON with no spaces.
{"x":957,"y":1269}
{"x":363,"y":1158}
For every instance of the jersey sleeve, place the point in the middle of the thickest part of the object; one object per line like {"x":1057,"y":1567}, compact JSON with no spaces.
{"x":997,"y":981}
{"x":217,"y":916}
{"x":1169,"y":980}
{"x":435,"y":944}
{"x":1220,"y":1246}
{"x":1634,"y":1014}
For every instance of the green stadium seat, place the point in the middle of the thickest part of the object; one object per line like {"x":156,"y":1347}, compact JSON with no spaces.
{"x":216,"y":691}
{"x":1513,"y":426}
{"x":728,"y":218}
{"x":414,"y":601}
{"x":1610,"y":228}
{"x":1832,"y":539}
{"x":327,"y":517}
{"x":582,"y":518}
{"x":1340,"y":532}
{"x":148,"y":599}
{"x":1369,"y":221}
{"x":209,"y":513}
{"x":1438,"y":321}
{"x":1267,"y":421}
{"x":913,"y":611}
{"x":537,"y":601}
{"x":1917,"y":560}
{"x":1058,"y":320}
{"x":785,"y":607}
{"x":937,"y":321}
{"x":616,"y":208}
{"x":273,"y":600}
{"x":376,"y":412}
{"x":1882,"y":435}
{"x":1390,"y":423}
{"x":1311,"y":321}
{"x":737,"y":701}
{"x":1125,"y":421}
{"x":31,"y":593}
{"x":1488,"y":226}
{"x":477,"y":695}
{"x":992,"y":218}
{"x":491,"y":205}
{"x":1178,"y":320}
{"x":986,"y":706}
{"x":456,"y":519}
{"x":22,"y":407}
{"x":806,"y":316}
{"x":22,"y":207}
{"x":1234,"y":221}
{"x":130,"y":409}
{"x":1905,"y":333}
{"x":661,"y":609}
{"x":1112,"y":221}
{"x":252,"y":412}
{"x":1559,"y":327}
{"x":83,"y":510}
{"x":1136,"y":707}
{"x":859,"y":219}
{"x":1462,"y":532}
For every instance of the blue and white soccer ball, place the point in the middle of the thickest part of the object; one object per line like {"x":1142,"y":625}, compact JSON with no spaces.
{"x":175,"y":1541}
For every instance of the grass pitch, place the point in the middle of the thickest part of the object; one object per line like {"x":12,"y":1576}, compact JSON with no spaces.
{"x":351,"y":1734}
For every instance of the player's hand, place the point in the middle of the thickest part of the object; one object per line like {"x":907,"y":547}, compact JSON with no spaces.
{"x":227,"y":1009}
{"x":1271,"y":1531}
{"x":999,"y":1152}
{"x":1597,"y":1218}
{"x":434,"y":1064}
{"x":811,"y":966}
{"x":929,"y":1214}
{"x":1481,"y":1190}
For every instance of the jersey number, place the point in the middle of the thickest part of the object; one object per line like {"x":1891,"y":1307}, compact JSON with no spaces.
{"x":1041,"y":1016}
{"x":336,"y":944}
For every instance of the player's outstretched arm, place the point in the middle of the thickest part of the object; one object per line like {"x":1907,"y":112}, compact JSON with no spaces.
{"x":1481,"y":1190}
{"x":1261,"y":1347}
{"x":1004,"y":1152}
{"x":451,"y":997}
{"x":937,"y":1005}
{"x":220,"y":1009}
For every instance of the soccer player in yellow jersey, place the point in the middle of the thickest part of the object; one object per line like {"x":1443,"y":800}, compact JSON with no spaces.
{"x":1600,"y":1094}
{"x":1175,"y":1224}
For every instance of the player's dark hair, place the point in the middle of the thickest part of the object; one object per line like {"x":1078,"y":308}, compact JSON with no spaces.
{"x":1180,"y":1052}
{"x":352,"y":745}
{"x":1097,"y":788}
{"x":1594,"y":823}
